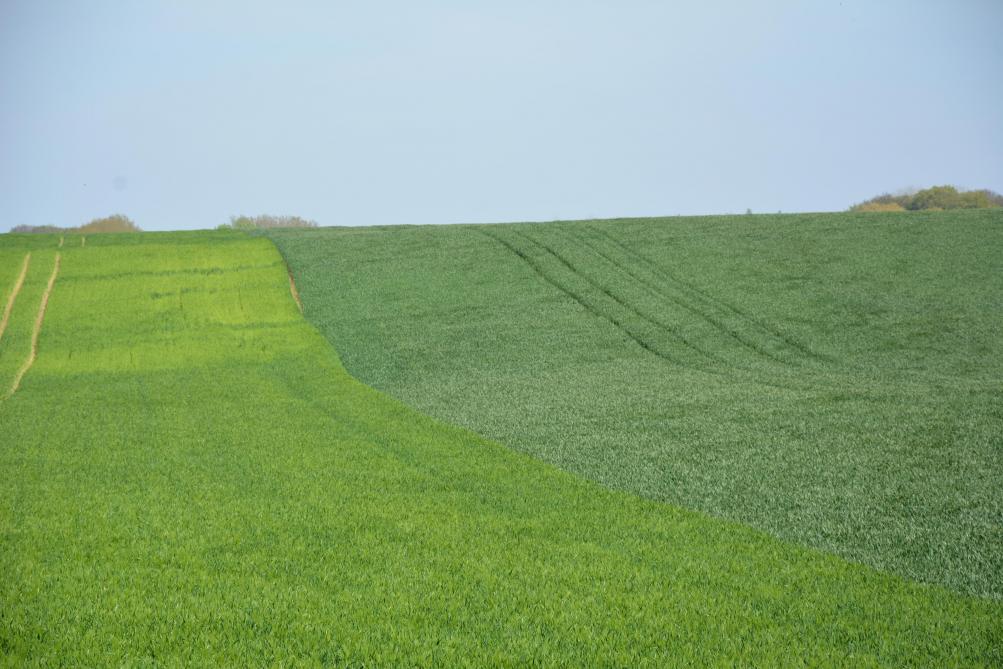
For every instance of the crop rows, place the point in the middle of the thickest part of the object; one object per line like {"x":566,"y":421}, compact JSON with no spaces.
{"x":664,"y":316}
{"x":192,"y":478}
{"x":831,"y":379}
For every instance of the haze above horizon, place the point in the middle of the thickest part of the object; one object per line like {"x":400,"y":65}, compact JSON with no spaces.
{"x":180,"y":115}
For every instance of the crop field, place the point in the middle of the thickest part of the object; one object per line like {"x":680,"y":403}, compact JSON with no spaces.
{"x":192,"y":478}
{"x":835,"y":380}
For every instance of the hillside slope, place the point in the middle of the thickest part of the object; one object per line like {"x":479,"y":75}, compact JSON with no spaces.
{"x":833,"y":379}
{"x":192,"y":479}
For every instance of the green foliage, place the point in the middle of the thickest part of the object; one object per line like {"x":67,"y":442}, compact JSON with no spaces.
{"x":266,"y":222}
{"x":995,"y":199}
{"x":192,"y":479}
{"x":831,"y":379}
{"x":978,"y":199}
{"x":878,"y":206}
{"x":36,"y":229}
{"x":113,"y":223}
{"x":935,"y":198}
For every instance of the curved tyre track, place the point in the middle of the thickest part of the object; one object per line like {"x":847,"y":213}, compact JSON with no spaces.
{"x":13,"y":294}
{"x":704,"y":314}
{"x":710,"y":299}
{"x":33,"y":353}
{"x":705,"y":361}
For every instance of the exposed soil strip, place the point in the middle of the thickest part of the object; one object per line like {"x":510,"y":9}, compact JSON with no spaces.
{"x":37,"y":330}
{"x":13,"y":294}
{"x":292,"y":289}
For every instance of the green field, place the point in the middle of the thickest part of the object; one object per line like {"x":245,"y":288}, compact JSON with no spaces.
{"x":191,"y":478}
{"x":835,"y":380}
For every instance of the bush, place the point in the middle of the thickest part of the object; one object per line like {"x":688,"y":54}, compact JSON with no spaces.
{"x":113,"y":223}
{"x":995,"y":199}
{"x":878,"y":206}
{"x":37,"y":229}
{"x":267,"y":221}
{"x":936,"y":198}
{"x":977,"y":199}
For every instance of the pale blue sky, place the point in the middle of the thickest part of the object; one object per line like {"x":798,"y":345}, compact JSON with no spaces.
{"x":179,"y":114}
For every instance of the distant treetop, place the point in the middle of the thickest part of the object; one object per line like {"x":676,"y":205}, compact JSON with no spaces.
{"x":37,"y":228}
{"x":266,"y":221}
{"x":113,"y":223}
{"x":934,"y":198}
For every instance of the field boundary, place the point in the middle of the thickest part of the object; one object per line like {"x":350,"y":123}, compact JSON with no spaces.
{"x":13,"y":294}
{"x":36,"y":331}
{"x":292,"y":289}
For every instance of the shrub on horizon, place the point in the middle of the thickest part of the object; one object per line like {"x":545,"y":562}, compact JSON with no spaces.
{"x":113,"y":223}
{"x":37,"y":229}
{"x":935,"y":198}
{"x":878,"y":206}
{"x":266,"y":221}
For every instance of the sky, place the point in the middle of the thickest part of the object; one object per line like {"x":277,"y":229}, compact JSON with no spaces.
{"x":182,"y":114}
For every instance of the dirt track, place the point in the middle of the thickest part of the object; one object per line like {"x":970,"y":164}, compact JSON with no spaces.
{"x":37,"y":329}
{"x":13,"y":294}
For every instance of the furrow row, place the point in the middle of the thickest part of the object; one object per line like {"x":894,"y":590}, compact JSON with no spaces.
{"x":646,"y":330}
{"x":710,"y":301}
